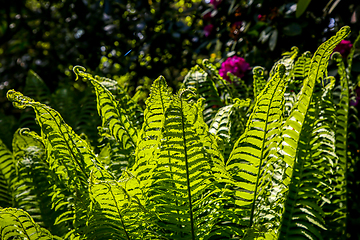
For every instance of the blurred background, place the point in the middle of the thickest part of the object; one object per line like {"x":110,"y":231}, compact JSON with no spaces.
{"x":164,"y":37}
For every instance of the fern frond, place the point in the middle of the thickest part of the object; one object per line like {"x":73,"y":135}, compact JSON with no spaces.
{"x":69,"y":157}
{"x":292,"y":134}
{"x":125,"y":102}
{"x":254,"y":149}
{"x":352,"y":52}
{"x":301,"y":68}
{"x":287,"y":60}
{"x":151,"y":132}
{"x":259,"y":80}
{"x":32,"y":183}
{"x":227,"y":91}
{"x":228,"y":125}
{"x":114,"y":213}
{"x":337,"y":211}
{"x":18,"y":224}
{"x":36,"y":89}
{"x":7,"y":170}
{"x":115,"y":118}
{"x":181,"y":184}
{"x":198,"y":78}
{"x":310,"y":186}
{"x":86,"y":117}
{"x":296,"y":119}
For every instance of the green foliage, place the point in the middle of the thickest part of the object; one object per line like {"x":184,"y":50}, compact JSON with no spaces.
{"x":204,"y":163}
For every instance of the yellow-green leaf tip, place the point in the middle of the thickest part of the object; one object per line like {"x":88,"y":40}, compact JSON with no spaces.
{"x":77,"y":71}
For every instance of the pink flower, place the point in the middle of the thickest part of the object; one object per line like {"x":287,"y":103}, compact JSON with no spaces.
{"x":215,"y":3}
{"x":208,"y":29}
{"x":235,"y":65}
{"x":343,"y":47}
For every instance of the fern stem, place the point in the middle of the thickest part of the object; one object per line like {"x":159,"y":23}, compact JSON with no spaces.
{"x":187,"y":171}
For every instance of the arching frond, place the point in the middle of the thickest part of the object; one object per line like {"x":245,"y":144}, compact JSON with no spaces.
{"x":68,"y":156}
{"x":256,"y":147}
{"x":301,"y":68}
{"x":32,"y":183}
{"x":36,"y":89}
{"x":17,"y":224}
{"x":297,"y":120}
{"x":259,"y":80}
{"x":151,"y":132}
{"x":113,"y":117}
{"x":115,"y":213}
{"x":125,"y":102}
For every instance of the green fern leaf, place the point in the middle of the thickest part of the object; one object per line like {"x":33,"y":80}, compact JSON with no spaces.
{"x":69,"y":157}
{"x":120,"y":125}
{"x":228,"y":125}
{"x":299,"y":119}
{"x":296,"y":119}
{"x":32,"y":181}
{"x":259,"y":80}
{"x":198,"y":78}
{"x":287,"y":60}
{"x":36,"y":89}
{"x":313,"y":167}
{"x":151,"y":132}
{"x":7,"y":170}
{"x":336,"y":219}
{"x":115,"y":214}
{"x":352,"y":52}
{"x":227,"y":91}
{"x":255,"y":147}
{"x":17,"y":224}
{"x":301,"y":68}
{"x":125,"y":102}
{"x":181,"y":183}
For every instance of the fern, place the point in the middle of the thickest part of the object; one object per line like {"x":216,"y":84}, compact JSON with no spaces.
{"x":255,"y":147}
{"x":7,"y":170}
{"x":228,"y":125}
{"x":198,"y":78}
{"x":69,"y":157}
{"x":182,"y":177}
{"x":120,"y":126}
{"x":17,"y":224}
{"x":296,"y":121}
{"x":182,"y":169}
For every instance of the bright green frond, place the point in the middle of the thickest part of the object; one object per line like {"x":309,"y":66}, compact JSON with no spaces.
{"x":252,"y":151}
{"x":297,"y":117}
{"x":301,"y":68}
{"x":181,"y":182}
{"x":7,"y":170}
{"x":302,"y":158}
{"x":151,"y":132}
{"x":259,"y":80}
{"x":115,"y":118}
{"x":17,"y":224}
{"x":115,"y":213}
